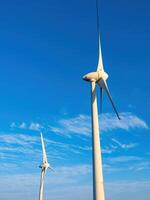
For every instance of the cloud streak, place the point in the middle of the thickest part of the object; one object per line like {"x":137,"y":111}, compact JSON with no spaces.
{"x":19,"y":139}
{"x":72,"y":178}
{"x":128,"y":190}
{"x":121,"y":159}
{"x":34,"y":126}
{"x":125,"y":146}
{"x":81,"y":124}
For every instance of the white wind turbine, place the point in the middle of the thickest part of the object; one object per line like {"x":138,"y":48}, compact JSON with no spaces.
{"x":99,"y":78}
{"x":44,"y":166}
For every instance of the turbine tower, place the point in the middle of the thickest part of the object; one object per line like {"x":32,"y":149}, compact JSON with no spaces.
{"x":44,"y":166}
{"x":99,"y":78}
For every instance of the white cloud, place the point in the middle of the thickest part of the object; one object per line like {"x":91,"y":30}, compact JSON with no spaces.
{"x":124,"y":146}
{"x":18,"y":144}
{"x":123,"y":159}
{"x":107,"y":150}
{"x":84,"y":148}
{"x":75,"y":170}
{"x":56,"y":130}
{"x":79,"y":125}
{"x":128,"y":121}
{"x":128,"y":190}
{"x":23,"y":125}
{"x":35,"y":126}
{"x":140,"y":166}
{"x":126,"y":164}
{"x":19,"y":139}
{"x":82,"y":124}
{"x":13,"y":125}
{"x":74,"y":178}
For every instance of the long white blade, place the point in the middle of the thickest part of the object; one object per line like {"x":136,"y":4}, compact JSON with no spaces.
{"x":101,"y":98}
{"x":103,"y":85}
{"x":100,"y":60}
{"x":110,"y":98}
{"x":43,"y":149}
{"x":50,"y":168}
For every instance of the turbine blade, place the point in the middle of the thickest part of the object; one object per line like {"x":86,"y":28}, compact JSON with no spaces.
{"x":50,"y":168}
{"x":101,"y":98}
{"x":100,"y":60}
{"x":45,"y":171}
{"x":110,"y":98}
{"x":43,"y":149}
{"x":101,"y":85}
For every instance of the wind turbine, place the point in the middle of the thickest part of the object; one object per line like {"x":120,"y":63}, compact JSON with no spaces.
{"x":99,"y":78}
{"x":44,"y":166}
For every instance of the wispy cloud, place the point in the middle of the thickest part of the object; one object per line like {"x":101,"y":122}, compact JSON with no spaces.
{"x":25,"y":144}
{"x":130,"y":190}
{"x":75,"y":170}
{"x":19,"y":139}
{"x":13,"y":125}
{"x":144,"y":165}
{"x":107,"y":150}
{"x":82,"y":124}
{"x":123,"y":159}
{"x":128,"y":121}
{"x":23,"y":125}
{"x":125,"y":146}
{"x":126,"y":164}
{"x":35,"y":126}
{"x":15,"y":146}
{"x":79,"y":125}
{"x":75,"y":178}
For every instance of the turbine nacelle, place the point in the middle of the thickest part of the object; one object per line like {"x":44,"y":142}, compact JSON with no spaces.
{"x":96,"y":76}
{"x":45,"y":166}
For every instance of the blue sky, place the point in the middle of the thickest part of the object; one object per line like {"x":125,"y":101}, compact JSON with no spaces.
{"x":46,"y":48}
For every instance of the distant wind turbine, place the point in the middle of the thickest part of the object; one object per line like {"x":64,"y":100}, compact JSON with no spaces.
{"x":44,"y":166}
{"x":99,"y":78}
